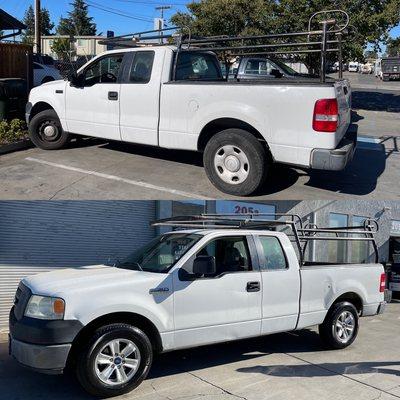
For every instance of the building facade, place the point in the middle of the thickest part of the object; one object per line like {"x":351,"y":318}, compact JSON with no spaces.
{"x":81,"y":46}
{"x":45,"y":235}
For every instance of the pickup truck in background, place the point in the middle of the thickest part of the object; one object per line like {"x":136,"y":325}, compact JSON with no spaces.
{"x":186,"y":288}
{"x":140,"y":95}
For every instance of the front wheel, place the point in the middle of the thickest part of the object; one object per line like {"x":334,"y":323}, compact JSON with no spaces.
{"x":236,"y":162}
{"x":340,"y":327}
{"x":115,"y":361}
{"x":46,"y":132}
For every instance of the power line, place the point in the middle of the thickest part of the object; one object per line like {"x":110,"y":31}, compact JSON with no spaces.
{"x":117,"y":12}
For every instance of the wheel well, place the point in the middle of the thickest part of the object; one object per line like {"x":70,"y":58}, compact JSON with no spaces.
{"x":221,"y":124}
{"x":39,"y":107}
{"x":352,"y":298}
{"x":136,"y":320}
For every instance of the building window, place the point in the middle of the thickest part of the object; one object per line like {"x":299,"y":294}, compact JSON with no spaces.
{"x":337,"y":249}
{"x":359,"y":249}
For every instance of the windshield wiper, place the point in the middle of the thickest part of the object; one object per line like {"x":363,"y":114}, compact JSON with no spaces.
{"x":128,"y":264}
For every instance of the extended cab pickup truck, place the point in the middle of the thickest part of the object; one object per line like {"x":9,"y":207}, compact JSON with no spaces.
{"x":144,"y":95}
{"x":186,"y":288}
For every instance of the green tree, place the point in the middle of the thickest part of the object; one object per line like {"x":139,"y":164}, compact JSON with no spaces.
{"x":393,"y":47}
{"x":62,"y":47}
{"x":370,"y":20}
{"x":78,"y":21}
{"x":227,"y":17}
{"x":46,"y":26}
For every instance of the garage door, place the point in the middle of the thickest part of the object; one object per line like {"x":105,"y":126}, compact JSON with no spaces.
{"x":40,"y":236}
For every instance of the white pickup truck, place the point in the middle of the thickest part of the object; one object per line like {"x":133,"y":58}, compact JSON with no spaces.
{"x":141,"y":95}
{"x":186,"y":288}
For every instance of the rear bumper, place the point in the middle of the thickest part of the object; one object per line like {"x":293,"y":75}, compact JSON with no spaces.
{"x":335,"y":159}
{"x":374,"y":309}
{"x":45,"y":359}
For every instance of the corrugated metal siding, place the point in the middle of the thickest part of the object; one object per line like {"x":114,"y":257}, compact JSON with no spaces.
{"x":38,"y":236}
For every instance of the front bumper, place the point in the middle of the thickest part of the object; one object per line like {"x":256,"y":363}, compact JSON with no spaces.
{"x":45,"y":359}
{"x":28,"y":109}
{"x":336,"y":159}
{"x":42,"y":345}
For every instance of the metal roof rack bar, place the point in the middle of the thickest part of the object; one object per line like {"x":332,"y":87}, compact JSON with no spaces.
{"x":330,"y":26}
{"x":294,"y":221}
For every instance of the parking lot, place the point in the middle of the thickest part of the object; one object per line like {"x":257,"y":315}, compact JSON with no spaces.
{"x":283,"y":366}
{"x":95,"y":169}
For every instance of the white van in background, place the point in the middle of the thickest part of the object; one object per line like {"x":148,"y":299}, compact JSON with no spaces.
{"x":353,"y":66}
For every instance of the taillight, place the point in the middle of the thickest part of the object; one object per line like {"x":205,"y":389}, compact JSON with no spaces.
{"x":326,"y":115}
{"x":382,"y":283}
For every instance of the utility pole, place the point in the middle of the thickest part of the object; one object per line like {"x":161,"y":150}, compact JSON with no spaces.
{"x":38,"y":38}
{"x":161,"y":24}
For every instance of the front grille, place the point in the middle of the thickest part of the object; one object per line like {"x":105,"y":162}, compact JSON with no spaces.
{"x":21,"y":300}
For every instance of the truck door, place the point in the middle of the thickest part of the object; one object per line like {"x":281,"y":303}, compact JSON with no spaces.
{"x":280,"y":282}
{"x":93,"y":108}
{"x":140,"y":92}
{"x":222,"y":306}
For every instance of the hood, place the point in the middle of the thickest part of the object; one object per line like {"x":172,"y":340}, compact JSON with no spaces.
{"x":52,"y":85}
{"x":83,"y":279}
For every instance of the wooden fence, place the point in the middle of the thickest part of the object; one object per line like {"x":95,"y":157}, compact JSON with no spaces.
{"x":16,"y":61}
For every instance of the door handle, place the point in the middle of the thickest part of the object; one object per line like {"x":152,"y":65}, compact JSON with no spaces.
{"x":253,"y":286}
{"x":112,"y":95}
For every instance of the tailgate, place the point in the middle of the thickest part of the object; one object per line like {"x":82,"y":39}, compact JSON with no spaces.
{"x":343,"y":96}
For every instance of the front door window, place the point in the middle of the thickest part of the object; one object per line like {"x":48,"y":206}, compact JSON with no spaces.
{"x":103,"y":70}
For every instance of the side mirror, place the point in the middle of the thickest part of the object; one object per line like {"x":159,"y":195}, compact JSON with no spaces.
{"x":276,"y":73}
{"x":75,"y":80}
{"x":204,"y":265}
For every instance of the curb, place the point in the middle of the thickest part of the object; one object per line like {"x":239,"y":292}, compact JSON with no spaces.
{"x":21,"y":145}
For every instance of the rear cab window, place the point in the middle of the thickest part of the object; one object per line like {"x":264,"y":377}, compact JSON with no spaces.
{"x":195,"y":66}
{"x":272,"y":255}
{"x":142,"y":66}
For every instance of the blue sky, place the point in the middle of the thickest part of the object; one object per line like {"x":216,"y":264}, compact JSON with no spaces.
{"x":140,"y":12}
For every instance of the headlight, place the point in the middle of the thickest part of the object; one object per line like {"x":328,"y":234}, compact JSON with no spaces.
{"x":42,"y":307}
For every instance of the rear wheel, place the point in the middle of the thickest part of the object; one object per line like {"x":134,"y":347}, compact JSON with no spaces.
{"x":340,"y":327}
{"x":115,"y":361}
{"x":236,"y":162}
{"x":46,"y":132}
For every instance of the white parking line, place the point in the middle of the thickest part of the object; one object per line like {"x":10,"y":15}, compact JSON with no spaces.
{"x":117,"y":178}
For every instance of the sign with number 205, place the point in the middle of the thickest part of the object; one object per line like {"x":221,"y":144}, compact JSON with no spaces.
{"x":241,"y":207}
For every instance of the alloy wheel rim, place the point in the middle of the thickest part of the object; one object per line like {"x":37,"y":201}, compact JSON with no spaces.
{"x":117,"y":362}
{"x":344,"y":326}
{"x":231,"y":164}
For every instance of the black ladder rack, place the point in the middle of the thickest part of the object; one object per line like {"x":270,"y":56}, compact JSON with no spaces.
{"x":301,"y":235}
{"x":316,"y":41}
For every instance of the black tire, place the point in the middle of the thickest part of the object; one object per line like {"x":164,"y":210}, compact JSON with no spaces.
{"x":47,"y":79}
{"x":86,"y":356}
{"x":327,"y":330}
{"x":257,"y":166}
{"x":39,"y":123}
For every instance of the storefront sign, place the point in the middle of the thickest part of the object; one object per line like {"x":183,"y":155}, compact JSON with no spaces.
{"x":241,"y":207}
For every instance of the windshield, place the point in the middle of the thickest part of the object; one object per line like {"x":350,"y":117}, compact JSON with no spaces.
{"x":161,"y":253}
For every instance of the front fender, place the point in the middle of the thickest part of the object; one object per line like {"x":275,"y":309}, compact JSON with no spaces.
{"x":52,"y":94}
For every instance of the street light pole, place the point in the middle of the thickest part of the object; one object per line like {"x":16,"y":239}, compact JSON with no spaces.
{"x":38,"y":39}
